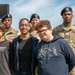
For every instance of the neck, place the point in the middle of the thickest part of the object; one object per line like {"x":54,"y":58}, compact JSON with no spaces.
{"x":7,"y":29}
{"x":33,"y":28}
{"x":34,"y":31}
{"x":1,"y":39}
{"x":67,"y":24}
{"x":51,"y":38}
{"x":24,"y":37}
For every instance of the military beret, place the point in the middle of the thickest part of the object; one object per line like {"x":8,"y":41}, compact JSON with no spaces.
{"x":6,"y":16}
{"x":66,"y":9}
{"x":34,"y":16}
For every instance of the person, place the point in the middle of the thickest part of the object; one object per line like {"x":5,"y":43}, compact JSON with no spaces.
{"x":67,"y":29}
{"x":22,"y":48}
{"x":34,"y":19}
{"x":10,"y":32}
{"x":5,"y":48}
{"x":52,"y":54}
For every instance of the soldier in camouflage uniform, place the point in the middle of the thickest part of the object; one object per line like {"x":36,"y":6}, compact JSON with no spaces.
{"x":34,"y":19}
{"x":10,"y":32}
{"x":67,"y":29}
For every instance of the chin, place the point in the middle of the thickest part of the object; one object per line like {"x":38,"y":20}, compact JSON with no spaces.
{"x":23,"y":33}
{"x":44,"y":39}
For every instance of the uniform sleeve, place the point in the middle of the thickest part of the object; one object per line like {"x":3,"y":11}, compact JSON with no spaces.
{"x":54,"y":32}
{"x":69,"y":55}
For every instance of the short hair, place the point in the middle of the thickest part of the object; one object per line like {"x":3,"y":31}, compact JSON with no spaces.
{"x":2,"y":27}
{"x":24,"y":19}
{"x":43,"y":23}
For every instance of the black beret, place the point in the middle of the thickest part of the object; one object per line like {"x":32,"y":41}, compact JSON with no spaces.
{"x":34,"y":16}
{"x":66,"y":9}
{"x":6,"y":16}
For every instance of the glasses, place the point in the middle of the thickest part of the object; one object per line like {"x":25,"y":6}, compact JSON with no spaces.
{"x":42,"y":31}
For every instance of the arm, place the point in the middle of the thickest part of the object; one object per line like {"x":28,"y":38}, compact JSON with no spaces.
{"x":34,"y":62}
{"x":70,"y":57}
{"x":11,"y":57}
{"x":54,"y":32}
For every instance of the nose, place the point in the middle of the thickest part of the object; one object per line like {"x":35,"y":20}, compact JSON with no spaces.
{"x":67,"y":15}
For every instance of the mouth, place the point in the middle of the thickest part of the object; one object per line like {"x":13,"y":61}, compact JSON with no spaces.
{"x":23,"y":30}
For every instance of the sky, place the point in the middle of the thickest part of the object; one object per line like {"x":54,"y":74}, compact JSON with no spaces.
{"x":46,"y":9}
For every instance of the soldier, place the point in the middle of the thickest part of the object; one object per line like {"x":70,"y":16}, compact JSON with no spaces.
{"x":10,"y":32}
{"x":67,"y":29}
{"x":34,"y":19}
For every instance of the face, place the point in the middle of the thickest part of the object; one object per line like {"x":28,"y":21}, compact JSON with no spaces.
{"x":24,"y":27}
{"x":7,"y":22}
{"x":34,"y":21}
{"x":44,"y":33}
{"x":67,"y":17}
{"x":1,"y":33}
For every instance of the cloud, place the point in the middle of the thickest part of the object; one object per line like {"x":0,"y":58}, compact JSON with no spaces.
{"x":53,"y":13}
{"x":47,"y":9}
{"x":24,"y":7}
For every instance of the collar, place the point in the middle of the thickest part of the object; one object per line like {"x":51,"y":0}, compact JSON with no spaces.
{"x":68,"y":28}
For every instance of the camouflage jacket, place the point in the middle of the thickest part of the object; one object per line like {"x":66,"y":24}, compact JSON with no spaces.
{"x":35,"y":34}
{"x":67,"y":32}
{"x":11,"y":34}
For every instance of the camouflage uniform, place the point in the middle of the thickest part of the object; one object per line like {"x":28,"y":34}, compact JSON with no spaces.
{"x":11,"y":34}
{"x":69,"y":34}
{"x":35,"y":35}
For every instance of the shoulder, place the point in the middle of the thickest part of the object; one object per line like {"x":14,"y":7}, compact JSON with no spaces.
{"x":34,"y":41}
{"x":6,"y":43}
{"x":34,"y":34}
{"x":34,"y":38}
{"x":14,"y":31}
{"x":15,"y":39}
{"x":74,"y":25}
{"x":57,"y":28}
{"x":63,"y":42}
{"x":38,"y":46}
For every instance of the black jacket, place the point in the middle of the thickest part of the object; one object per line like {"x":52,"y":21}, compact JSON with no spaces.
{"x":14,"y":52}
